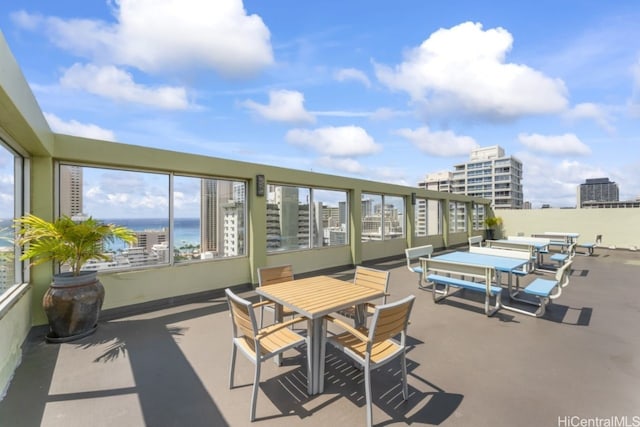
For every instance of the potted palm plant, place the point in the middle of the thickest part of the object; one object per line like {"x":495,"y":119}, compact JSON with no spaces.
{"x":492,"y":223}
{"x":74,"y":299}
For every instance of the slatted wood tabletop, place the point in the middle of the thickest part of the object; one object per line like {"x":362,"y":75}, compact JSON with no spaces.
{"x":314,"y":297}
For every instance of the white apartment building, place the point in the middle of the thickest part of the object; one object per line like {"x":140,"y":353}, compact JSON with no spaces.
{"x":489,"y":173}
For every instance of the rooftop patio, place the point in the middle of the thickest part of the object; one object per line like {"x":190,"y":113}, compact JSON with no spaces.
{"x":169,"y":366}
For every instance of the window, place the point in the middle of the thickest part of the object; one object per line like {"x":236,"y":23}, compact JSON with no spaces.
{"x":394,"y":217}
{"x":383,"y":217}
{"x":457,"y":217}
{"x":10,"y":173}
{"x":420,"y":217}
{"x":330,"y":218}
{"x":371,"y":217}
{"x":428,"y":217}
{"x":208,"y":219}
{"x":137,"y":200}
{"x":304,"y":218}
{"x":478,"y":216}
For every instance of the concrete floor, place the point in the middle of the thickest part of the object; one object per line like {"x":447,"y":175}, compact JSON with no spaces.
{"x":169,"y":367}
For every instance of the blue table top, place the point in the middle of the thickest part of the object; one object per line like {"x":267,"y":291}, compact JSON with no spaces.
{"x":498,"y":262}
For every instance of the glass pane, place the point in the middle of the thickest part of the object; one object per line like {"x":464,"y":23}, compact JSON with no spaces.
{"x":394,"y":217}
{"x":371,"y":217}
{"x":137,"y":200}
{"x":287,"y":218}
{"x":208,"y":218}
{"x":330,"y":218}
{"x":478,"y":216}
{"x":457,"y":217}
{"x":434,"y":217}
{"x":7,"y":212}
{"x":420,"y":213}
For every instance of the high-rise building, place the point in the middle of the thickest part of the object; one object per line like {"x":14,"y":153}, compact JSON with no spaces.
{"x":70,"y":190}
{"x":597,"y":190}
{"x":214,"y":195}
{"x":490,"y":174}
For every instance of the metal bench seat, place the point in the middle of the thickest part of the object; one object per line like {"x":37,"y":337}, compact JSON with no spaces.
{"x":460,"y":283}
{"x":541,"y":287}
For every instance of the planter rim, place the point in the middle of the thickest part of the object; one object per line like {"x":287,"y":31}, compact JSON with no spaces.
{"x":68,"y":279}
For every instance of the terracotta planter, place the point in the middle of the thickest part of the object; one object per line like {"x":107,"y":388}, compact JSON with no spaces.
{"x":73,"y":304}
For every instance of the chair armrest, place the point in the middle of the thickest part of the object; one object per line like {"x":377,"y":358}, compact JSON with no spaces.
{"x":348,"y":328}
{"x":262,"y":303}
{"x":277,"y":326}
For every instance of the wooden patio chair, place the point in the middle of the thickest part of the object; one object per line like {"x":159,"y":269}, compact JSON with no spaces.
{"x":257,"y":344}
{"x":376,"y":346}
{"x":270,"y":276}
{"x":372,"y":278}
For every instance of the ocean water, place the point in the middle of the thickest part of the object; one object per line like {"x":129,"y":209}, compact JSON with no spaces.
{"x":186,"y":230}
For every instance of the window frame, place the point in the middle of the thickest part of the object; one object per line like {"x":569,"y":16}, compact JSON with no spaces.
{"x":171,"y":176}
{"x":310,"y":217}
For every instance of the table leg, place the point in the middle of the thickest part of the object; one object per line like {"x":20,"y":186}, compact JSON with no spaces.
{"x":316,"y":355}
{"x":360,"y":317}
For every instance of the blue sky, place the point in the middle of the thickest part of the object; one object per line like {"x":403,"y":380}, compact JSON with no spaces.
{"x":387,"y":91}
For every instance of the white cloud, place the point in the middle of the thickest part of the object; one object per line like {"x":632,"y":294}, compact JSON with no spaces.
{"x":439,"y":143}
{"x":159,"y":35}
{"x":284,"y":106}
{"x":463,"y":69}
{"x":567,"y":144}
{"x":26,"y":20}
{"x":76,"y":128}
{"x":114,"y":83}
{"x":561,"y":179}
{"x":593,"y":112}
{"x":387,"y":114}
{"x":341,"y":141}
{"x":341,"y":164}
{"x":346,"y":74}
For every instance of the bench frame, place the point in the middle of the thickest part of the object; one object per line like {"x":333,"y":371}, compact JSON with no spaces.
{"x":439,"y":273}
{"x":414,"y":254}
{"x":561,"y":281}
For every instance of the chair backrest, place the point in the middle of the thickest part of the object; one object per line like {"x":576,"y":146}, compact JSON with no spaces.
{"x":414,"y":254}
{"x":475,"y":241}
{"x":372,"y":278}
{"x":572,"y":250}
{"x":483,"y":273}
{"x":563,"y":273}
{"x":542,"y":240}
{"x":272,"y":275}
{"x":242,"y":316}
{"x":514,"y":245}
{"x":390,"y":320}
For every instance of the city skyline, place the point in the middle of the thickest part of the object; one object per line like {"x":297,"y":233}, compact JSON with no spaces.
{"x":391,"y":96}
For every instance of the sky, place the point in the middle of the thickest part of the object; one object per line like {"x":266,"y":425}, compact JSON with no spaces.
{"x":385,"y":91}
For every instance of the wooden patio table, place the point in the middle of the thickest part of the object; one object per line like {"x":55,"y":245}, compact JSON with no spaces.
{"x":315,"y":297}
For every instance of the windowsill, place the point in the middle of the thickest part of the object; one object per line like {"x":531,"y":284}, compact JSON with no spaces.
{"x":11,"y":297}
